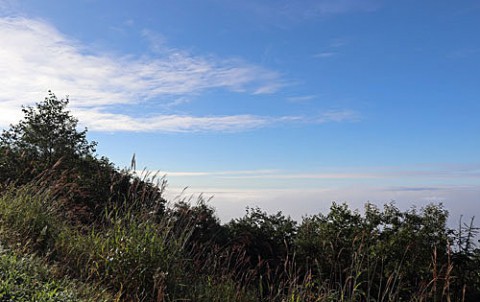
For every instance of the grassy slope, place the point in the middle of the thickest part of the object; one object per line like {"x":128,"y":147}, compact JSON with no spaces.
{"x":146,"y":260}
{"x":129,"y":257}
{"x":27,"y":278}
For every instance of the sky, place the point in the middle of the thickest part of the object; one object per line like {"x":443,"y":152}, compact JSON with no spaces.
{"x":285,"y":105}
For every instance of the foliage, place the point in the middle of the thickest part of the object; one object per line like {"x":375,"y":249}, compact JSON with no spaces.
{"x":201,"y":219}
{"x":266,"y":241}
{"x":387,"y":255}
{"x":46,"y":134}
{"x":135,"y":256}
{"x":46,"y":148}
{"x":101,"y":225}
{"x":29,"y":218}
{"x":264,"y":236}
{"x":28,"y":279}
{"x":466,"y":260}
{"x":376,"y":253}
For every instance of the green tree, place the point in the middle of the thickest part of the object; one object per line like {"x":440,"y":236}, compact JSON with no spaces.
{"x":264,"y":244}
{"x":266,"y":237}
{"x":47,"y":134}
{"x":47,"y":145}
{"x":389,"y":252}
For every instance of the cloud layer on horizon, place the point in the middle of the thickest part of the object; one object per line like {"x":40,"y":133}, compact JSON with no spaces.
{"x":298,"y":202}
{"x":437,"y":171}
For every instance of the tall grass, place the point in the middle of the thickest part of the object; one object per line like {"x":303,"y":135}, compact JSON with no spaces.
{"x":134,"y":257}
{"x":29,"y":219}
{"x":30,"y":279}
{"x":142,"y":256}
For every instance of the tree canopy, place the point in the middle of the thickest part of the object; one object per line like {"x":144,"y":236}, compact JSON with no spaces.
{"x":47,"y":133}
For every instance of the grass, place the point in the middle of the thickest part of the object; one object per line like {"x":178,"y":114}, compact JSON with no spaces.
{"x":28,"y":278}
{"x":132,"y":256}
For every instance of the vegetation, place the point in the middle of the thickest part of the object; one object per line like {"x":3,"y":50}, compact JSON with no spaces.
{"x":29,"y":279}
{"x":69,"y":218}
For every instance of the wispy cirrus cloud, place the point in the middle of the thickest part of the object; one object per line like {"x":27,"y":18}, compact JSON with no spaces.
{"x":338,"y":116}
{"x":332,"y":49}
{"x":221,"y":173}
{"x":110,"y":122}
{"x":285,"y":10}
{"x":35,"y":57}
{"x":100,"y":121}
{"x":323,"y":7}
{"x":302,"y":98}
{"x":324,"y":54}
{"x":6,"y":6}
{"x":464,"y":53}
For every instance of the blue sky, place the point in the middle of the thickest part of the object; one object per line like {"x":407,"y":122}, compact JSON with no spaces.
{"x":288,"y":105}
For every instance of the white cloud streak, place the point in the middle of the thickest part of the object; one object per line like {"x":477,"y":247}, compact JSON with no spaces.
{"x":325,"y":54}
{"x":36,"y":57}
{"x":471,"y":171}
{"x":220,"y":173}
{"x":325,"y":7}
{"x":302,"y":98}
{"x":338,"y":116}
{"x":99,"y":121}
{"x":111,"y":122}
